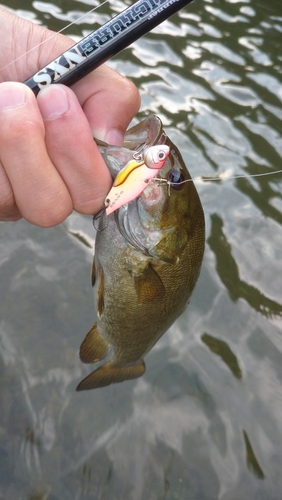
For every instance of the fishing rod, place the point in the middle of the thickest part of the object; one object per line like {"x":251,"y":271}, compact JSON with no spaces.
{"x":104,"y":43}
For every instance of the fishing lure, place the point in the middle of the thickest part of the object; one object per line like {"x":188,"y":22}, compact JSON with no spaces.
{"x":131,"y":181}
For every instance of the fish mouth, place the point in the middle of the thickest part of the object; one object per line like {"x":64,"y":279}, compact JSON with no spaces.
{"x":131,"y":228}
{"x":154,"y":193}
{"x":134,"y":220}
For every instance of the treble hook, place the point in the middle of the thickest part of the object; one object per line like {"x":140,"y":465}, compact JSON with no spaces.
{"x":97,"y":217}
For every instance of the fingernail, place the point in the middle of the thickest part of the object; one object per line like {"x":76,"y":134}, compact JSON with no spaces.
{"x":53,"y":102}
{"x":114,"y":137}
{"x":11,"y":95}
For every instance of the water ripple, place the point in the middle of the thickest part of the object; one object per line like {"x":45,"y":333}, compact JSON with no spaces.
{"x":205,"y":420}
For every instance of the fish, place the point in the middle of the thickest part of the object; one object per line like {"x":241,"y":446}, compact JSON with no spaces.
{"x":148,"y":256}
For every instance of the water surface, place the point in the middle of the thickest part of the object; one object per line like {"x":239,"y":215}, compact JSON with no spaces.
{"x":205,"y":421}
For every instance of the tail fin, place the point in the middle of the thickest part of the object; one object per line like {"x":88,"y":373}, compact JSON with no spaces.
{"x":108,"y":374}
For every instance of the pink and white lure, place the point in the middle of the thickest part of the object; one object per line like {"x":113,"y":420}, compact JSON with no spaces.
{"x":131,"y":181}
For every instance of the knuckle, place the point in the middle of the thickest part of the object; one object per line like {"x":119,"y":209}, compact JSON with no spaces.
{"x":89,"y":207}
{"x":19,"y":131}
{"x":12,"y":215}
{"x":51,"y":211}
{"x":53,"y":217}
{"x":129,"y":94}
{"x":24,"y":128}
{"x":9,"y":212}
{"x":8,"y":209}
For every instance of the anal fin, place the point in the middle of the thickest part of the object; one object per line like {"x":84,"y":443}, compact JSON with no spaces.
{"x":94,"y":347}
{"x":109,"y":374}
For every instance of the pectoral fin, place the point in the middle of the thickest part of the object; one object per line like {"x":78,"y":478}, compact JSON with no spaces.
{"x":109,"y":374}
{"x":94,"y":347}
{"x":149,"y":286}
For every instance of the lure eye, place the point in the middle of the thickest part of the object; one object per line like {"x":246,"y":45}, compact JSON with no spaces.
{"x":175,"y":179}
{"x":161,"y":155}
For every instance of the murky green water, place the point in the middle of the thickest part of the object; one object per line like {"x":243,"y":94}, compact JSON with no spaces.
{"x":205,"y":422}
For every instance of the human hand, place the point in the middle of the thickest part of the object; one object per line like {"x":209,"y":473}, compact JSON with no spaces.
{"x":49,"y":163}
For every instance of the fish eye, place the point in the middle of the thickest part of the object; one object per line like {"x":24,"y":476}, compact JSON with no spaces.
{"x":176,"y":179}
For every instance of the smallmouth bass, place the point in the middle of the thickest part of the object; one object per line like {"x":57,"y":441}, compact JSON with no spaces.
{"x":148,"y":256}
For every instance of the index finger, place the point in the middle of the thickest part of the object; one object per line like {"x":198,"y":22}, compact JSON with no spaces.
{"x":109,"y":101}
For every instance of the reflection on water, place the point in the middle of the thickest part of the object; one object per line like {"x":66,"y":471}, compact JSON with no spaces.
{"x":227,"y":270}
{"x":223,"y":350}
{"x":252,"y":462}
{"x":205,"y":420}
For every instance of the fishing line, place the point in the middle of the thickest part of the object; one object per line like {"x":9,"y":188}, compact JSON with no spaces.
{"x":54,"y":35}
{"x":222,"y":178}
{"x":219,"y":178}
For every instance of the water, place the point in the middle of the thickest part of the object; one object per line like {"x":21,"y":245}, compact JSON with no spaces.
{"x":205,"y":421}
